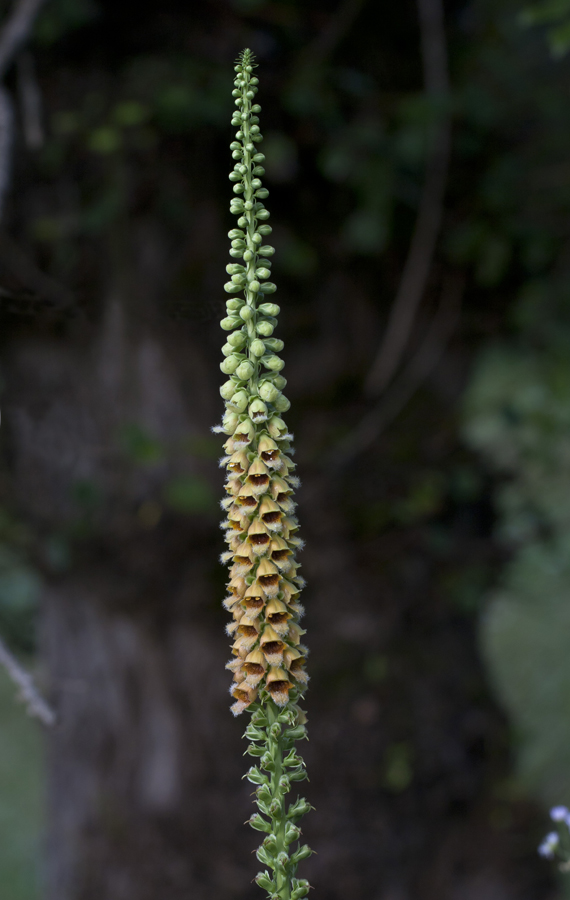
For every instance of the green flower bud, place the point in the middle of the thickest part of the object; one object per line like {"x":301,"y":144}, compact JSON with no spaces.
{"x":256,"y":238}
{"x":245,"y":370}
{"x":235,"y":146}
{"x":302,"y":853}
{"x":235,"y":303}
{"x":238,"y":188}
{"x":263,"y":214}
{"x":255,"y":183}
{"x":234,"y":269}
{"x":246,"y":313}
{"x":242,"y":222}
{"x":248,"y":204}
{"x":234,"y":176}
{"x":262,"y":273}
{"x":239,"y":278}
{"x":298,"y":809}
{"x":277,"y":380}
{"x":269,"y":309}
{"x":254,"y":286}
{"x":273,"y":363}
{"x":266,"y":250}
{"x":229,"y":365}
{"x":258,"y":411}
{"x":259,"y":157}
{"x":267,"y":287}
{"x":264,"y":881}
{"x":265,"y":230}
{"x":262,"y":192}
{"x":237,"y":339}
{"x":230,"y":322}
{"x":292,"y":833}
{"x":260,"y":824}
{"x":258,"y":170}
{"x":275,"y":344}
{"x":229,"y":423}
{"x":246,"y":430}
{"x":231,"y":288}
{"x":240,"y":400}
{"x":248,"y":255}
{"x":257,"y":347}
{"x":276,"y":428}
{"x":236,"y":254}
{"x":265,"y":328}
{"x":268,"y":391}
{"x":300,"y":892}
{"x":282,"y":404}
{"x":227,"y":349}
{"x":236,"y":234}
{"x":227,"y":390}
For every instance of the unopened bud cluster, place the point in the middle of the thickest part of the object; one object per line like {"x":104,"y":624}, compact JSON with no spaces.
{"x":261,"y":529}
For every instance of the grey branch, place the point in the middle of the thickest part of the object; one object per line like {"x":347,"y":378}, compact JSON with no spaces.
{"x":404,"y":387}
{"x":16,"y":31}
{"x":6,"y":133}
{"x":29,"y":693}
{"x":418,"y":263}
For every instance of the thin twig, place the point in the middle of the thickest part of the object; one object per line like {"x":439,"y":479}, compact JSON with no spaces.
{"x":29,"y":693}
{"x":6,"y":134}
{"x":418,"y":263}
{"x":30,"y":101}
{"x":16,"y":31}
{"x":408,"y":382}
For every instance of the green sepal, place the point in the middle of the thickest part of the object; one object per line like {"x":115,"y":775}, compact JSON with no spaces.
{"x":255,"y":776}
{"x":265,"y":881}
{"x":264,"y":857}
{"x":253,"y":750}
{"x":298,"y":774}
{"x":254,"y":734}
{"x":302,"y":853}
{"x":259,"y":823}
{"x":299,"y":808}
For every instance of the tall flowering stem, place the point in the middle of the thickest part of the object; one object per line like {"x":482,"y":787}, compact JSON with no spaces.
{"x":260,"y":529}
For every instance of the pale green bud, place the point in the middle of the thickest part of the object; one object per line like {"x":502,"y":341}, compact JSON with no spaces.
{"x":302,"y":853}
{"x":234,"y":176}
{"x":276,"y":427}
{"x":273,"y":363}
{"x":227,"y":390}
{"x":234,"y":269}
{"x":237,"y":339}
{"x":227,"y":349}
{"x":265,"y":230}
{"x":263,"y":214}
{"x":255,"y":182}
{"x":242,"y":222}
{"x":246,"y":313}
{"x":292,"y":833}
{"x":264,"y":881}
{"x":268,"y":391}
{"x":259,"y":157}
{"x":234,"y":304}
{"x":229,"y":422}
{"x":265,"y":328}
{"x":267,"y":249}
{"x":254,"y":286}
{"x":230,"y":322}
{"x":236,"y":254}
{"x":230,"y":287}
{"x":256,"y":238}
{"x":248,"y":255}
{"x":282,"y":404}
{"x":240,"y":400}
{"x":238,"y":243}
{"x":258,"y":411}
{"x":257,"y":347}
{"x":261,"y":273}
{"x":279,"y":381}
{"x":275,"y":344}
{"x":245,"y":370}
{"x":229,"y":365}
{"x":235,"y":234}
{"x":238,"y":188}
{"x":238,"y":278}
{"x":267,"y":287}
{"x":269,"y":309}
{"x":262,"y":192}
{"x":299,"y":892}
{"x":259,"y":170}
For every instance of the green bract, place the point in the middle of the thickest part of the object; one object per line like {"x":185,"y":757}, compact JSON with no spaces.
{"x":261,"y":530}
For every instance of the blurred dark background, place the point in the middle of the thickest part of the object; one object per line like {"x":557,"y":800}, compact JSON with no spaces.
{"x":436,"y":492}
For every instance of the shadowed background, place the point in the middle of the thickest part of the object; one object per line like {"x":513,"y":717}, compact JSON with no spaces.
{"x":418,"y":166}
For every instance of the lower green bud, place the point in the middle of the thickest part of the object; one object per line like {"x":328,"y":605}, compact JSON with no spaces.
{"x":229,"y":323}
{"x":264,"y":328}
{"x":282,"y":404}
{"x":269,"y":309}
{"x":229,"y":423}
{"x":227,"y":349}
{"x":273,"y":363}
{"x":227,"y":390}
{"x":245,"y":370}
{"x":229,"y":365}
{"x":240,"y":400}
{"x":237,"y":339}
{"x":277,"y":380}
{"x":264,"y":881}
{"x":235,"y":303}
{"x":231,"y":288}
{"x":268,"y":391}
{"x":258,"y":349}
{"x":254,"y":286}
{"x":259,"y":823}
{"x":246,"y":312}
{"x":302,"y":853}
{"x":268,"y":287}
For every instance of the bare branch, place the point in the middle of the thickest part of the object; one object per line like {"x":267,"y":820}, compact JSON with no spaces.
{"x":30,"y":101}
{"x":418,"y":263}
{"x":405,"y":386}
{"x":6,"y":135}
{"x":29,"y":693}
{"x":16,"y":31}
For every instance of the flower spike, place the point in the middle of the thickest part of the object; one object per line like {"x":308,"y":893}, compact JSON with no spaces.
{"x":268,"y":664}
